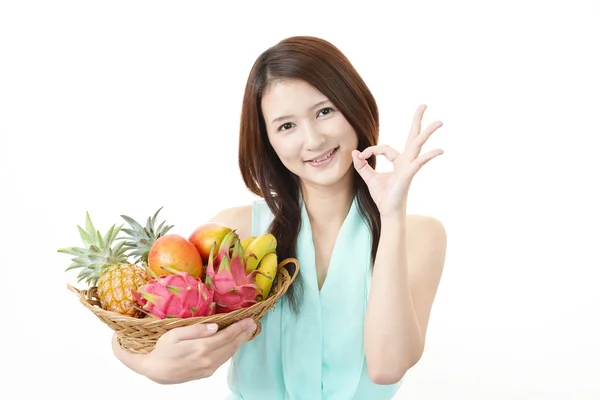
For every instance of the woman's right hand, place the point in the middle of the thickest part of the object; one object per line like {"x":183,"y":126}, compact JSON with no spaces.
{"x":187,"y":353}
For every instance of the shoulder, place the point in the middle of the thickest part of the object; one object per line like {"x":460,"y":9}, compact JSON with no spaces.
{"x":425,"y":226}
{"x":238,"y":218}
{"x":426,"y":242}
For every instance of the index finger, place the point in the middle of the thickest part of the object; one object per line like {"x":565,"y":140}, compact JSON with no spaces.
{"x":382,"y":149}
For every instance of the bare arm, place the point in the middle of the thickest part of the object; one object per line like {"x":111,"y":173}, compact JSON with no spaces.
{"x":404,"y":284}
{"x":188,"y":353}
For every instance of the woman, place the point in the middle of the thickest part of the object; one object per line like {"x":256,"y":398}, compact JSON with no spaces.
{"x":355,"y":319}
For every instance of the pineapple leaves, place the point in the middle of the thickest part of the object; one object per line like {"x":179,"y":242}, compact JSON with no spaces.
{"x":76,"y":251}
{"x":101,"y":251}
{"x":85,"y":236}
{"x":110,"y":235}
{"x":97,"y":254}
{"x":89,"y":226}
{"x":166,"y":228}
{"x":99,"y":242}
{"x":118,"y":247}
{"x":150,"y":223}
{"x":140,"y":238}
{"x":73,"y":266}
{"x":134,"y":224}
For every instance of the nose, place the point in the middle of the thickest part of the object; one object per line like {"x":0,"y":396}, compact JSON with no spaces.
{"x":314,"y":139}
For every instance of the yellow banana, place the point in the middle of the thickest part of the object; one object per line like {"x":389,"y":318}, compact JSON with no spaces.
{"x":246,"y":242}
{"x":265,"y":243}
{"x":267,"y":269}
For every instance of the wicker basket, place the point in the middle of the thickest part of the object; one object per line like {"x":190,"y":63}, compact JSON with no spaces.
{"x":139,"y":335}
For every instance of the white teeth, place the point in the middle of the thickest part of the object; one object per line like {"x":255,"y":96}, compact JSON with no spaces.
{"x":326,"y":156}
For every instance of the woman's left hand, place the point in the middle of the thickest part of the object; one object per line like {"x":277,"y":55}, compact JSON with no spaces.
{"x":390,"y":189}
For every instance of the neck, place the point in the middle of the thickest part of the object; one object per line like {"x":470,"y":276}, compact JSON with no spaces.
{"x":328,"y":206}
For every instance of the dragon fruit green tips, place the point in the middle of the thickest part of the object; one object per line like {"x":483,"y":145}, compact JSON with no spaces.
{"x":233,"y":288}
{"x":177,"y":295}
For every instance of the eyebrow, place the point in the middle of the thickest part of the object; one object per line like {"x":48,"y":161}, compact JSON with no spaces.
{"x":290,"y":116}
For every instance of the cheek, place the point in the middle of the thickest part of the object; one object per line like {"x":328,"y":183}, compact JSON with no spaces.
{"x":276,"y":145}
{"x":349,"y":140}
{"x":342,"y":131}
{"x":284,"y":147}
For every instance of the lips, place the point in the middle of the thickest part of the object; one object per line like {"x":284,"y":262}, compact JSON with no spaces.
{"x":323,"y":155}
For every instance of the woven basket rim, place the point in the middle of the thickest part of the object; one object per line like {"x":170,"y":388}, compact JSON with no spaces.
{"x":284,"y":278}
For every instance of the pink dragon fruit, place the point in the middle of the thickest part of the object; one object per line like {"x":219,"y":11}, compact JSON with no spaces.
{"x":178,"y":295}
{"x":233,"y":289}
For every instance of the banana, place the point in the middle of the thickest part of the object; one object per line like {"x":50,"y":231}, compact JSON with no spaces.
{"x":266,"y":270}
{"x":264,"y":244}
{"x":246,"y":242}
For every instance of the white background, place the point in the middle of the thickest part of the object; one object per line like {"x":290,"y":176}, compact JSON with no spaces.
{"x":121,"y":107}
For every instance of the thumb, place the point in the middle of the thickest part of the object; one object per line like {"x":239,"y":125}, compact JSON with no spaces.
{"x":194,"y":331}
{"x":362,"y":166}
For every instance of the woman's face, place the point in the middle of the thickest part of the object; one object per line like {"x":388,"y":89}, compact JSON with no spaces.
{"x":311,"y":137}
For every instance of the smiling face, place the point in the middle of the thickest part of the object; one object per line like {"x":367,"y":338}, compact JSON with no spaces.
{"x":310,"y":136}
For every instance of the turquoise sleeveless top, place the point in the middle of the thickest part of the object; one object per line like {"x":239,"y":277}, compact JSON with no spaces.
{"x":318,"y":354}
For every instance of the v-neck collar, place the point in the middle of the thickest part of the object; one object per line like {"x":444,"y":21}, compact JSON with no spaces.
{"x":311,"y":252}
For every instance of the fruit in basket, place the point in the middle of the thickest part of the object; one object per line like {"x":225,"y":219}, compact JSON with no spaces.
{"x":115,"y":285}
{"x":257,"y":249}
{"x":174,"y":252}
{"x":233,"y":288}
{"x":246,"y":242}
{"x":267,"y":269}
{"x":206,"y":235}
{"x":175,"y":295}
{"x":141,"y":238}
{"x":105,"y":265}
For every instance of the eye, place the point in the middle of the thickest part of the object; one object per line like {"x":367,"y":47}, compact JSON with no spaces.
{"x":326,"y":110}
{"x":285,"y":127}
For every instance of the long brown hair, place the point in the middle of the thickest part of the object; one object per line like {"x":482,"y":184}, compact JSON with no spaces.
{"x":324,"y":66}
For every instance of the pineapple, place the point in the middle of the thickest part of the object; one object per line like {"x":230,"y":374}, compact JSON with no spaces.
{"x":140,"y":239}
{"x":106,"y":267}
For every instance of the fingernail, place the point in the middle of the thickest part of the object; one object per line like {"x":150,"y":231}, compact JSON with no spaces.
{"x":211,"y":327}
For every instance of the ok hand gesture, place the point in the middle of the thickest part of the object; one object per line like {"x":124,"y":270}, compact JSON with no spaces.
{"x":390,"y":189}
